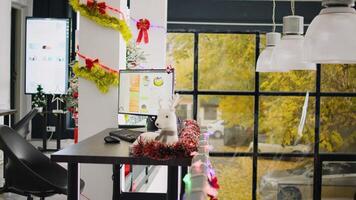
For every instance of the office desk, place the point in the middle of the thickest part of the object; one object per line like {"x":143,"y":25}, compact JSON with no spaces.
{"x":94,"y":150}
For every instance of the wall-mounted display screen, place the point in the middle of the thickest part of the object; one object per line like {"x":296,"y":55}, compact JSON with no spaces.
{"x":47,"y":54}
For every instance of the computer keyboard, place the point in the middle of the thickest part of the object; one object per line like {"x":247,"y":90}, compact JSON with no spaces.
{"x":126,"y":135}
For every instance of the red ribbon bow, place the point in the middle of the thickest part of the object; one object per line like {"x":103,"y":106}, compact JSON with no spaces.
{"x":89,"y":63}
{"x":91,"y":3}
{"x":100,"y":6}
{"x":214,"y":183}
{"x":143,"y":25}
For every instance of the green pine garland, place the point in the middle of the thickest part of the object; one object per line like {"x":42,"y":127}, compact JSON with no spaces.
{"x":101,"y":77}
{"x":103,"y":19}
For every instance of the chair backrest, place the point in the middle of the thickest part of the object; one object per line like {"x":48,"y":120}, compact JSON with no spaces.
{"x":22,"y":152}
{"x":24,"y":122}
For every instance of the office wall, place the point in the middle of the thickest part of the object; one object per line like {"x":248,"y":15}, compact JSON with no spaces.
{"x":5,"y":37}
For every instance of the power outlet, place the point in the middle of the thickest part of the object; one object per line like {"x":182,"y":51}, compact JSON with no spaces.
{"x":51,"y":129}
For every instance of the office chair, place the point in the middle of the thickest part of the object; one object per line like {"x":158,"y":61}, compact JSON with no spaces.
{"x":28,"y":172}
{"x":24,"y":122}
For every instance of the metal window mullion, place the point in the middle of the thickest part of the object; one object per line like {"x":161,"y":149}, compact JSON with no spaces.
{"x":317,"y":180}
{"x":256,"y":116}
{"x":195,"y":76}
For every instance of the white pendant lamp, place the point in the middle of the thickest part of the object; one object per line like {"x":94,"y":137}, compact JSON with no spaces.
{"x":330,"y":37}
{"x":289,"y":53}
{"x":272,"y":39}
{"x":264,"y":61}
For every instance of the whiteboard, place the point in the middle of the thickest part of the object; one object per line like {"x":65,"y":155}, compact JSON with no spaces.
{"x":47,"y":55}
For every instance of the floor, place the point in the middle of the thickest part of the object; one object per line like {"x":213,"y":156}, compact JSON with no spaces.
{"x":37,"y":143}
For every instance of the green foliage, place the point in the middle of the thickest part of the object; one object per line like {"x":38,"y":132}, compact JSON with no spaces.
{"x":227,"y":62}
{"x":135,"y":56}
{"x":39,"y":100}
{"x":71,"y":97}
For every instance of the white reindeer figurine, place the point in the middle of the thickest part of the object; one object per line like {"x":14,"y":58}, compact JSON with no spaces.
{"x":167,"y":122}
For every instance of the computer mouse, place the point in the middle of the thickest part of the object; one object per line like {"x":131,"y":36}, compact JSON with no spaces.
{"x":111,"y":140}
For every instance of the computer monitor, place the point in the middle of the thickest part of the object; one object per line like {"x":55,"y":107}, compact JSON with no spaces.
{"x":141,"y":90}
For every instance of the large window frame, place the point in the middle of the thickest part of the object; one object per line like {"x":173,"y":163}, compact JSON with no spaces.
{"x":319,"y":157}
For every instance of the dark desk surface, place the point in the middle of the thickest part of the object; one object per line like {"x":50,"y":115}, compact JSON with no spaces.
{"x":7,"y":112}
{"x":94,"y":150}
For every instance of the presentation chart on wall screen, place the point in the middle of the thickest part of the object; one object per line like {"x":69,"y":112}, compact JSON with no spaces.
{"x":141,"y":92}
{"x":47,"y":43}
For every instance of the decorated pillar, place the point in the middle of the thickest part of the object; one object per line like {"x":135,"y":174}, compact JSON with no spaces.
{"x":102,"y":49}
{"x":149,"y":28}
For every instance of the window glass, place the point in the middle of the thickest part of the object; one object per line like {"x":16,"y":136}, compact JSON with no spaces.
{"x":285,"y":179}
{"x":210,"y":112}
{"x":184,"y":109}
{"x":279,"y":119}
{"x":338,"y":78}
{"x":338,"y":124}
{"x":226,"y":61}
{"x":338,"y":180}
{"x":180,"y":54}
{"x":232,"y":128}
{"x":234,"y":177}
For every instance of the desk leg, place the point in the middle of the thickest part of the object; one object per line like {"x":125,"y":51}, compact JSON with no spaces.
{"x":184,"y":171}
{"x":59,"y":131}
{"x":7,"y":123}
{"x":6,"y":120}
{"x":116,"y":182}
{"x":172,"y":183}
{"x":73,"y":182}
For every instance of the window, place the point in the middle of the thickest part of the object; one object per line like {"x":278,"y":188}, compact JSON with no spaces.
{"x":210,"y":112}
{"x":254,"y":117}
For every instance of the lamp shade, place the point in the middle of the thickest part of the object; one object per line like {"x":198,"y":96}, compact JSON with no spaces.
{"x":289,"y":53}
{"x":265,"y":58}
{"x":330,"y":37}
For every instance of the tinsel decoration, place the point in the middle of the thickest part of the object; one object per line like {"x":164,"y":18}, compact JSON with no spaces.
{"x":97,"y":13}
{"x":188,"y":143}
{"x":102,"y":77}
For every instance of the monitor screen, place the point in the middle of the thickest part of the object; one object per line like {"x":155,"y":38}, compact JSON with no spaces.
{"x":47,"y":54}
{"x":141,"y":90}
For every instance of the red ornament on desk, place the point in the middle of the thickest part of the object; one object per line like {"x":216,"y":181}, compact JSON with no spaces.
{"x":143,"y":25}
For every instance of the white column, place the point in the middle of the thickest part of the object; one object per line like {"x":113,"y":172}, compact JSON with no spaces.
{"x":156,"y":12}
{"x":5,"y":46}
{"x":98,"y":111}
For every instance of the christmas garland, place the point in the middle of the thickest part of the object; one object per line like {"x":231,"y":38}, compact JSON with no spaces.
{"x":96,"y":12}
{"x":102,"y":76}
{"x":188,"y":143}
{"x":72,"y":95}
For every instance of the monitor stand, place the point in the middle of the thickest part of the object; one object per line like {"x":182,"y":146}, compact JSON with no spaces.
{"x":151,"y":126}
